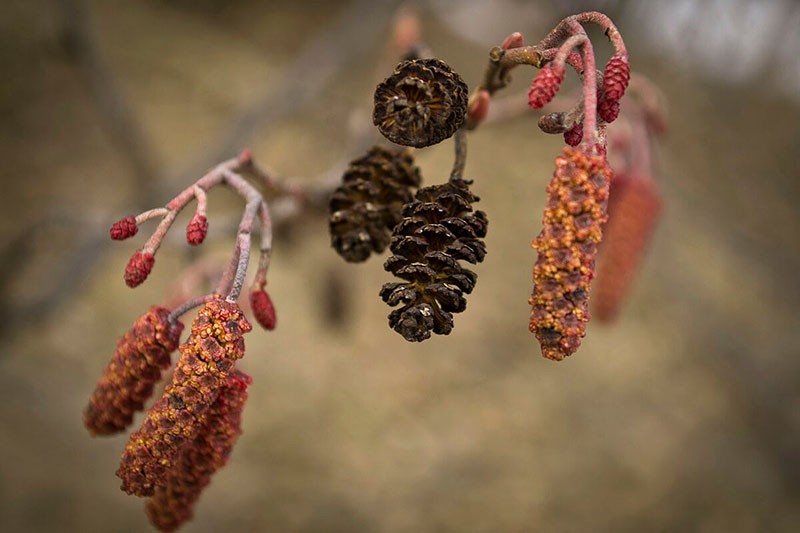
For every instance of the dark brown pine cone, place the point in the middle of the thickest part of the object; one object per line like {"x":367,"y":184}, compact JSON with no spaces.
{"x":422,"y":103}
{"x":368,"y":204}
{"x":436,"y":233}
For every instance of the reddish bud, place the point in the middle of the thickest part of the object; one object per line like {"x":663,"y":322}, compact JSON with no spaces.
{"x":197,"y":229}
{"x":478,"y":107}
{"x":574,"y":135}
{"x":124,"y":228}
{"x":515,"y":40}
{"x":608,"y":109}
{"x":616,"y":77}
{"x":245,"y":156}
{"x":545,"y":85}
{"x":263,"y":309}
{"x":138,"y":268}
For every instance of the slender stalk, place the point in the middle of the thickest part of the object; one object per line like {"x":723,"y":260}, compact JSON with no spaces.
{"x":460,"y":162}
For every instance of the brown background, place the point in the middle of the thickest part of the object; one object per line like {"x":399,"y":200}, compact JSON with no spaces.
{"x":685,"y":415}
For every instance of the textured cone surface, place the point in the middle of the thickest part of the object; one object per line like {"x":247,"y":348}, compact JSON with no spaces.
{"x":128,"y":380}
{"x":368,"y":204}
{"x":174,"y":421}
{"x":616,"y":77}
{"x":438,"y":230}
{"x":422,"y":103}
{"x":633,"y":211}
{"x":172,"y":504}
{"x":577,"y":200}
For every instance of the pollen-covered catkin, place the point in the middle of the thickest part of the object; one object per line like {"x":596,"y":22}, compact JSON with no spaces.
{"x":207,"y":358}
{"x":633,"y":211}
{"x":172,"y":503}
{"x":128,"y":380}
{"x":577,"y":200}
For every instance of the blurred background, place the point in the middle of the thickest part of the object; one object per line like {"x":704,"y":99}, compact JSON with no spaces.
{"x":684,"y":415}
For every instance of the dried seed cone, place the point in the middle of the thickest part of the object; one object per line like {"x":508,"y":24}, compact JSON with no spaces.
{"x":128,"y":380}
{"x":577,"y":199}
{"x":633,"y":212}
{"x":206,"y":360}
{"x":438,"y":230}
{"x":171,"y":505}
{"x":422,"y":103}
{"x":367,"y":206}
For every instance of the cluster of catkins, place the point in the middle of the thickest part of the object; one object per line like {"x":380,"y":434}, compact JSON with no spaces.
{"x":190,"y":431}
{"x":429,"y":230}
{"x":574,"y":216}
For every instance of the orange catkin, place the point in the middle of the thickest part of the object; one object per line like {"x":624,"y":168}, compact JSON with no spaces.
{"x":128,"y":380}
{"x":633,"y":212}
{"x":207,"y":358}
{"x":577,"y":199}
{"x":171,"y":505}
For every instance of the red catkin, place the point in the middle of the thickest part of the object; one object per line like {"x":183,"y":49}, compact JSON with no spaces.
{"x":197,"y":229}
{"x":171,"y":504}
{"x":608,"y":110}
{"x":572,"y":228}
{"x":139,"y":267}
{"x":545,"y":85}
{"x":175,"y":420}
{"x":263,"y":310}
{"x":574,"y":135}
{"x":128,"y":380}
{"x":633,"y":212}
{"x":616,"y":77}
{"x":124,"y":228}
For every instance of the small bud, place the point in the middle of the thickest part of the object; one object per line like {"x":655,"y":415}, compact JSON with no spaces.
{"x":545,"y":85}
{"x":139,"y":267}
{"x":515,"y":40}
{"x":608,"y":109}
{"x":263,"y":309}
{"x":197,"y":229}
{"x":478,"y":107}
{"x":574,"y":135}
{"x":553,"y":123}
{"x":616,"y":77}
{"x":124,"y":228}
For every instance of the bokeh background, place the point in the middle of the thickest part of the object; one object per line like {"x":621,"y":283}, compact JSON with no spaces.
{"x":682,"y":416}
